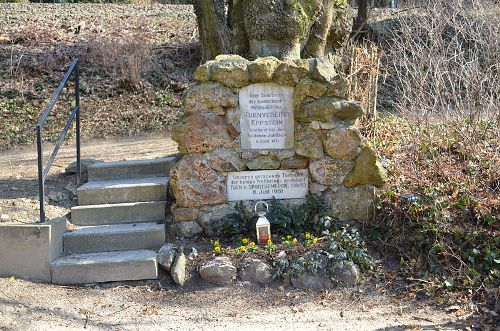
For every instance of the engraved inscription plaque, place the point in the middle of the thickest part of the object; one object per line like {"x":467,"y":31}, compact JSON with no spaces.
{"x":267,"y":184}
{"x":266,"y":117}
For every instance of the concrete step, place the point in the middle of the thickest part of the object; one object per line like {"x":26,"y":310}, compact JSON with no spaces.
{"x":119,"y":213}
{"x":131,"y":169}
{"x":120,"y":237}
{"x":104,"y":267}
{"x":123,"y":190}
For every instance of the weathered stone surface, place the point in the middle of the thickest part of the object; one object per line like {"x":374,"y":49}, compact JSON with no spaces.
{"x":344,"y":144}
{"x":210,"y":214}
{"x":233,"y":118}
{"x":187,"y":229}
{"x":308,"y":88}
{"x":209,"y":96}
{"x":323,"y":70}
{"x":255,"y":271}
{"x":308,"y":143}
{"x":178,"y":271}
{"x":200,"y":132}
{"x":219,"y":271}
{"x":354,"y":203}
{"x":181,"y":214}
{"x":84,"y":164}
{"x":296,"y":162}
{"x":194,"y":183}
{"x":309,"y":280}
{"x":288,"y":73}
{"x":281,"y":155}
{"x":224,"y":159}
{"x":345,"y":273}
{"x":202,"y":72}
{"x":263,"y":162}
{"x":262,"y":69}
{"x":327,"y":109}
{"x":327,"y":171}
{"x":317,"y":189}
{"x":338,"y":87}
{"x":230,"y":57}
{"x":166,"y":256}
{"x":230,"y":70}
{"x":367,"y":170}
{"x":307,"y":64}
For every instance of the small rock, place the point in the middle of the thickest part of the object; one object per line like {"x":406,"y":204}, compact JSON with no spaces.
{"x":219,"y":271}
{"x":309,"y":280}
{"x":178,"y":270}
{"x":255,"y":271}
{"x":166,"y":256}
{"x":56,"y":196}
{"x":194,"y":253}
{"x":71,"y":188}
{"x":187,"y":229}
{"x":84,"y":163}
{"x":346,"y":273}
{"x":4,"y":217}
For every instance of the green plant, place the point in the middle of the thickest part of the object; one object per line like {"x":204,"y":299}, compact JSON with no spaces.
{"x":344,"y":244}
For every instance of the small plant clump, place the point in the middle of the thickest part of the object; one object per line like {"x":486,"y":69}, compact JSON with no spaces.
{"x":319,"y":256}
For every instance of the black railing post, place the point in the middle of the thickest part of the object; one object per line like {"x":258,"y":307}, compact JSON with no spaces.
{"x":41,"y":179}
{"x":75,"y":112}
{"x":77,"y":97}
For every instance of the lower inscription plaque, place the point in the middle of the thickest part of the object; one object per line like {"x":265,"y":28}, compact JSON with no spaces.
{"x":267,"y":184}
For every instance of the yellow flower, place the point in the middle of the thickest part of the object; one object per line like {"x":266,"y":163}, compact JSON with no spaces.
{"x":243,"y":249}
{"x":289,"y":237}
{"x":308,"y":235}
{"x":295,"y":240}
{"x":216,"y":243}
{"x":217,"y":249}
{"x":315,"y":240}
{"x":252,"y":243}
{"x":244,"y":241}
{"x":269,"y":242}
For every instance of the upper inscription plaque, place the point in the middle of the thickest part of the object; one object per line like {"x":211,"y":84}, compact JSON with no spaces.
{"x":266,"y":117}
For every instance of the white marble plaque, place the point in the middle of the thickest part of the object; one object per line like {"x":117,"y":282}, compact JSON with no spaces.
{"x":267,"y":184}
{"x":266,"y":117}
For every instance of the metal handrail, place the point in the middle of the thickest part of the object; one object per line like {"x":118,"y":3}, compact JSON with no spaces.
{"x":43,"y":173}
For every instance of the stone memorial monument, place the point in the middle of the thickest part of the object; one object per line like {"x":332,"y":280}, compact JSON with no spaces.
{"x":277,"y":127}
{"x":267,"y":129}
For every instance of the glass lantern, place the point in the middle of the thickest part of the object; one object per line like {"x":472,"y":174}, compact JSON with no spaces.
{"x":263,"y":227}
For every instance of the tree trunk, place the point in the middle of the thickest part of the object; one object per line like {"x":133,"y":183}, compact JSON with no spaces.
{"x":316,"y":44}
{"x":360,"y":20}
{"x":215,"y":36}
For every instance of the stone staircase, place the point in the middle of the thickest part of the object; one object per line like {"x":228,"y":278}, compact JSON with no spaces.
{"x":119,"y":223}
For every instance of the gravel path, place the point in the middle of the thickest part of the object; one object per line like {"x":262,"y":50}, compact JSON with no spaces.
{"x":161,"y":306}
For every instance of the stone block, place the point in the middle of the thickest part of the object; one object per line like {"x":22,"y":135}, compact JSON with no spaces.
{"x":327,"y":171}
{"x":26,"y":251}
{"x":195,"y":184}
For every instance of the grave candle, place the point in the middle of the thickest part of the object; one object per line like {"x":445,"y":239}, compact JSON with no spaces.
{"x":263,"y":227}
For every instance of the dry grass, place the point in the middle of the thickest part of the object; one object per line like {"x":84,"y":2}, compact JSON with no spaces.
{"x":144,"y":54}
{"x":440,"y":211}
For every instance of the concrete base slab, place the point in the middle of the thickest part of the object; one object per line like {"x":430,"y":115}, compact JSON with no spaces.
{"x":105,"y":267}
{"x":26,"y":251}
{"x":123,"y":190}
{"x":131,"y":169}
{"x":119,"y":213}
{"x":104,"y":238}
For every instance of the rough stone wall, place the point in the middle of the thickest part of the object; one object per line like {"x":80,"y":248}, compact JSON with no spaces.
{"x":343,"y":168}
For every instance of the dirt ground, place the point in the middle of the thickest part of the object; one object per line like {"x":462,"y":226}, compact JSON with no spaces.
{"x":160,"y":305}
{"x":19,"y":176}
